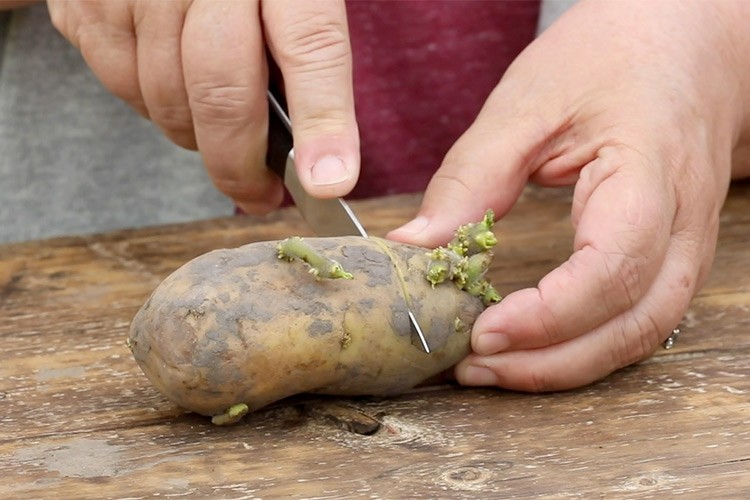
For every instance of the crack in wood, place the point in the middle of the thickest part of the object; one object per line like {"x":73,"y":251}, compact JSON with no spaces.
{"x":345,"y":417}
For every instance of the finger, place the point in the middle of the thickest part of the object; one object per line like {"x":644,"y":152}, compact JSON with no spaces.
{"x":623,"y":340}
{"x":226,"y":79}
{"x":310,"y":43}
{"x":104,"y":34}
{"x":486,"y":168}
{"x":158,"y":28}
{"x":620,"y":245}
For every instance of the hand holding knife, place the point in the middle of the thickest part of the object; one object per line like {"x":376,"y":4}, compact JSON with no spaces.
{"x":326,"y":217}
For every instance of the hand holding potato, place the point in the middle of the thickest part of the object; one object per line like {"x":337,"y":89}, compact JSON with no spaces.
{"x":198,"y":70}
{"x":639,"y":105}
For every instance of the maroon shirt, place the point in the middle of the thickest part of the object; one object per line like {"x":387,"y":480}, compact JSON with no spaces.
{"x":422,"y":70}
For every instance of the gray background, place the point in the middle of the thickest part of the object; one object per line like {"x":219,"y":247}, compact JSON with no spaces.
{"x":76,"y":160}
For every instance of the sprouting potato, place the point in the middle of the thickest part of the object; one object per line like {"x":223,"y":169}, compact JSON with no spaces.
{"x":234,"y":330}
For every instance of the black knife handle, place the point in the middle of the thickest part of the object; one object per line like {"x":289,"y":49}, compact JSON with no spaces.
{"x":279,"y":138}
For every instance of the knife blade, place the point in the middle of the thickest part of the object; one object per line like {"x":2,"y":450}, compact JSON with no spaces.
{"x":326,"y":217}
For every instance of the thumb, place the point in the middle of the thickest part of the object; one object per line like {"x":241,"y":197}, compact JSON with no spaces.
{"x":310,"y":43}
{"x":486,"y":168}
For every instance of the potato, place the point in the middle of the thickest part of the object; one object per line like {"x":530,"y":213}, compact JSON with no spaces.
{"x":236,"y":329}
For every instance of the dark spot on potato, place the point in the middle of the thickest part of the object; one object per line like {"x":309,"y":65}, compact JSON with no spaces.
{"x":325,"y":245}
{"x":216,"y":265}
{"x":319,"y":327}
{"x":240,"y":334}
{"x":249,"y":276}
{"x":207,"y":265}
{"x":405,"y":252}
{"x":351,"y":371}
{"x":400,"y":318}
{"x":255,"y":310}
{"x":310,"y":307}
{"x":377,"y":264}
{"x":265,"y":252}
{"x":469,"y":312}
{"x":366,"y":304}
{"x":214,"y":348}
{"x":439,"y":332}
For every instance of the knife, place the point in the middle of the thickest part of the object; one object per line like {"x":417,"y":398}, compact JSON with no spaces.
{"x":326,"y":217}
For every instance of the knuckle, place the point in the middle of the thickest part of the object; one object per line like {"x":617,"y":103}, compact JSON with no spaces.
{"x":314,"y":45}
{"x":625,"y":351}
{"x":224,"y":104}
{"x":537,"y":380}
{"x":321,"y":121}
{"x":647,"y":338}
{"x":237,"y":188}
{"x":172,"y":118}
{"x":634,"y":250}
{"x":619,"y":275}
{"x":452,"y":187}
{"x":538,"y":383}
{"x":253,"y":198}
{"x":635,"y":340}
{"x":699,"y":251}
{"x":551,"y":330}
{"x":185,"y":139}
{"x":624,"y":273}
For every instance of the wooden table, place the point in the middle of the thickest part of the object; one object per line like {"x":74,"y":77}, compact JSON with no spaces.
{"x":78,"y":419}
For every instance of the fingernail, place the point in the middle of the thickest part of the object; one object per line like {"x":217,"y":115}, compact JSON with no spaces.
{"x":329,"y":170}
{"x":414,"y":226}
{"x":491,"y":343}
{"x":478,"y":375}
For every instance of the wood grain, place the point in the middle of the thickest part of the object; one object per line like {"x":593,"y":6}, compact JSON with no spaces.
{"x":79,"y":420}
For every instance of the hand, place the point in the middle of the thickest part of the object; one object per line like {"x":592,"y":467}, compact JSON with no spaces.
{"x":639,"y":104}
{"x":197,"y":68}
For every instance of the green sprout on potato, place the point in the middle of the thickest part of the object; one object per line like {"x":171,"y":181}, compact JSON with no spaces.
{"x":466,"y":259}
{"x":232,"y":415}
{"x":320,"y":266}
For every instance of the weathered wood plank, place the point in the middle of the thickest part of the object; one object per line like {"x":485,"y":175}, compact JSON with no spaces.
{"x":686,"y":431}
{"x":78,"y":419}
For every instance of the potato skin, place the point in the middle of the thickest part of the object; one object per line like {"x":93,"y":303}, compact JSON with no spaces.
{"x":243,"y":326}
